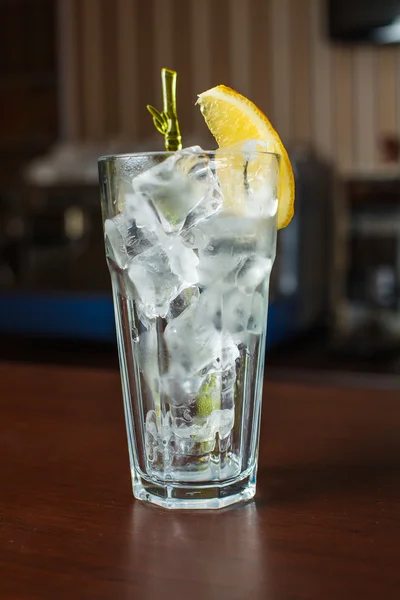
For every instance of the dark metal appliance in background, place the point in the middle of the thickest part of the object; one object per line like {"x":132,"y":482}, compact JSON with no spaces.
{"x":371,"y":291}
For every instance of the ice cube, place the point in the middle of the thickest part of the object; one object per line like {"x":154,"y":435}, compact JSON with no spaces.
{"x":225,"y":360}
{"x":194,"y":238}
{"x":144,"y":322}
{"x":192,"y":340}
{"x":155,"y":283}
{"x":211,"y":203}
{"x":230,"y":351}
{"x":183,"y":261}
{"x":210,"y":304}
{"x":250,"y":178}
{"x":262,"y":176}
{"x":160,"y":272}
{"x":202,"y":429}
{"x":229,"y":242}
{"x":212,"y":307}
{"x":182,"y":301}
{"x":232,"y":233}
{"x":124,"y":240}
{"x":195,"y":343}
{"x":158,"y":436}
{"x":215,"y":265}
{"x":175,"y":186}
{"x":212,"y":200}
{"x":180,"y":387}
{"x":243,"y":314}
{"x":253,"y":271}
{"x":139,"y":207}
{"x":262,"y":201}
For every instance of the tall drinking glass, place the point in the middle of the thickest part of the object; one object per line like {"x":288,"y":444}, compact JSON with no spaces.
{"x":190,"y":241}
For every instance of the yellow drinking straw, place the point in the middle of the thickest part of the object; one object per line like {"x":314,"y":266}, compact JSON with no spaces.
{"x":166,"y":122}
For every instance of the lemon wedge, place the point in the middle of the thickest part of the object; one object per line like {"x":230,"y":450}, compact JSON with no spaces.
{"x":233,"y":118}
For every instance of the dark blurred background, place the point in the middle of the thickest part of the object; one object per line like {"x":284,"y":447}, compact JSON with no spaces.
{"x":75,"y":78}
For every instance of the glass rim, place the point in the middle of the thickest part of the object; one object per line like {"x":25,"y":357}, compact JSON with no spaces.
{"x":128,"y":155}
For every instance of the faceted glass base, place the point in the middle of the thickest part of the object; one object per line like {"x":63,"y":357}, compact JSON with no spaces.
{"x":189,"y":496}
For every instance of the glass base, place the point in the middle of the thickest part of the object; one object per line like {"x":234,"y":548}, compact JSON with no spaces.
{"x":187,"y":496}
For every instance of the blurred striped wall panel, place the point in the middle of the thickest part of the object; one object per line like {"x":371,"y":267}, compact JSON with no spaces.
{"x":342,"y":100}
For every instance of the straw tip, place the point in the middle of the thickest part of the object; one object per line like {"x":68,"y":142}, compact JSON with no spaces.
{"x":168,"y":71}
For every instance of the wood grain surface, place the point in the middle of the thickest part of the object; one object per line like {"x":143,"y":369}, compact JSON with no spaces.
{"x":325,"y":523}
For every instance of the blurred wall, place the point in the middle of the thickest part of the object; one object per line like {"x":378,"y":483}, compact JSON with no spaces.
{"x":28,"y":82}
{"x":341,"y":100}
